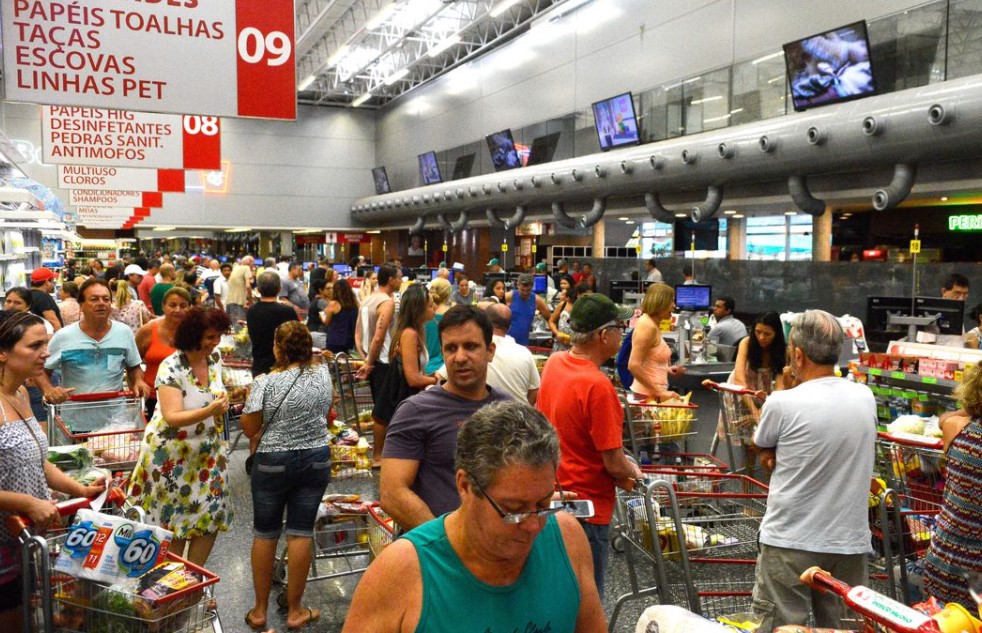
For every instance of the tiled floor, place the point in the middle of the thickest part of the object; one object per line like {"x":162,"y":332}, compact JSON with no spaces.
{"x":230,"y":560}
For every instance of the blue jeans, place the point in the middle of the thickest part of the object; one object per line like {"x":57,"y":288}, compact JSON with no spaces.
{"x":290,"y":480}
{"x":599,"y":538}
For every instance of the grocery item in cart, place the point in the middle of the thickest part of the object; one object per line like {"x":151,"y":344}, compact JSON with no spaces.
{"x":111,"y":547}
{"x":69,"y":458}
{"x":667,"y":618}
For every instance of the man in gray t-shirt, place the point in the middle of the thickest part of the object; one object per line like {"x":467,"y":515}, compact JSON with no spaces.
{"x":292,"y":287}
{"x":818,"y":437}
{"x":418,"y":476}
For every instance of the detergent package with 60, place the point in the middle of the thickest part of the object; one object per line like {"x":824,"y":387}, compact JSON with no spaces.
{"x":111,"y":548}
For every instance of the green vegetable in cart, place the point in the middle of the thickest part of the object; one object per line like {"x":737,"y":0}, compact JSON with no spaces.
{"x":70,"y":457}
{"x":113,"y":603}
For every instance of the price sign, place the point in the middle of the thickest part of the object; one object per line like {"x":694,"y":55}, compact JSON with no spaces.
{"x":444,"y":247}
{"x":110,"y":198}
{"x":504,"y":248}
{"x":94,"y":136}
{"x":534,"y":248}
{"x":219,"y":58}
{"x":915,"y":247}
{"x":120,"y":178}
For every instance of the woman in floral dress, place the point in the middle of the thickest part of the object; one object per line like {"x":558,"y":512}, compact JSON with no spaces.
{"x":181,"y":477}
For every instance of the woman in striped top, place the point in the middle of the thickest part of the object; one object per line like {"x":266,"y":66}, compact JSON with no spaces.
{"x":956,"y":546}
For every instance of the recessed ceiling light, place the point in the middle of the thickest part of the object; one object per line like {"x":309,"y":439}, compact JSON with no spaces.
{"x":681,"y":215}
{"x":944,"y":198}
{"x":622,"y":219}
{"x":790,"y":213}
{"x":729,"y":212}
{"x":629,"y":222}
{"x":738,"y":216}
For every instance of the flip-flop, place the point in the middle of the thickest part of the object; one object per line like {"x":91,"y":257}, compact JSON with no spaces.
{"x":312,"y":616}
{"x":251,"y":624}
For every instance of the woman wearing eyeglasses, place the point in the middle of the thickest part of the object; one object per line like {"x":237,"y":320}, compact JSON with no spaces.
{"x":526,"y":564}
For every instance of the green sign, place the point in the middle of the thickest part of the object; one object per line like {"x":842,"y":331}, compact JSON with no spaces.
{"x":965,"y":222}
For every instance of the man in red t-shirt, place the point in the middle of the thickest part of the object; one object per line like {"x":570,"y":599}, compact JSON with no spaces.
{"x":582,"y":404}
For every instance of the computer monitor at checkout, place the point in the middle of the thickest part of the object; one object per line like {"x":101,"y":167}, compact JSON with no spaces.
{"x":693,"y":298}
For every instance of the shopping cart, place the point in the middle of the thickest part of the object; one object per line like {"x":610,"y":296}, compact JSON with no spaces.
{"x":540,"y":355}
{"x":739,"y":413}
{"x":381,"y":530}
{"x":237,"y":378}
{"x":353,"y":397}
{"x":881,"y":614}
{"x":650,"y":425}
{"x":237,"y":345}
{"x":110,"y":425}
{"x":55,"y":601}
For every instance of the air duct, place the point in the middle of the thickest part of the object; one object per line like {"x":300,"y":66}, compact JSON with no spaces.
{"x":803,"y":199}
{"x":898,"y":189}
{"x":702,"y":211}
{"x":594,"y":215}
{"x":656,"y":209}
{"x":559,"y":214}
{"x":508,"y":223}
{"x":455,"y":226}
{"x":418,"y":227}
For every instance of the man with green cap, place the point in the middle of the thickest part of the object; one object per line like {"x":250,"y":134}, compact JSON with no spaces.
{"x":494,"y":266}
{"x":582,"y":404}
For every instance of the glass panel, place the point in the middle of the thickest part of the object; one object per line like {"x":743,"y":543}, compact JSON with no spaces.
{"x":661,"y":110}
{"x":707,"y":101}
{"x":964,"y":38}
{"x":909,"y":47}
{"x":759,"y":89}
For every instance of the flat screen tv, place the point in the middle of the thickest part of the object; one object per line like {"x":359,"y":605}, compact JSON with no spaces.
{"x":540,"y":284}
{"x":830,"y":67}
{"x":543,"y":149}
{"x":615,"y":121}
{"x":705,"y":232}
{"x":503,"y":153}
{"x":693,"y":297}
{"x":429,"y":169}
{"x":462,"y":168}
{"x":342,"y":269}
{"x":381,"y":180}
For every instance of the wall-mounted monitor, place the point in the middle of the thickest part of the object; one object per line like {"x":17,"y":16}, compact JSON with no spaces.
{"x":462,"y":168}
{"x":830,"y":67}
{"x":503,"y":153}
{"x":615,"y":121}
{"x":706,"y":235}
{"x":693,"y":297}
{"x":342,"y":269}
{"x":429,"y":169}
{"x":381,"y":180}
{"x":543,"y":149}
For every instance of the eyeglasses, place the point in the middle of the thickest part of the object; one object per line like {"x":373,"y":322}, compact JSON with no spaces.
{"x":614,"y":326}
{"x":515,"y":518}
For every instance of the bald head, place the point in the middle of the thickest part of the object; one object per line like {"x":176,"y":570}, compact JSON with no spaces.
{"x":248,"y":260}
{"x":500,"y":316}
{"x":443,"y":273}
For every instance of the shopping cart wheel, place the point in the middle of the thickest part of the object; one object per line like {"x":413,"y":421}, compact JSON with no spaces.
{"x":617,"y":543}
{"x":281,"y":600}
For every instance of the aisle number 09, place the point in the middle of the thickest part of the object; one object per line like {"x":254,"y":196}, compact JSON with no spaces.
{"x":205,"y":125}
{"x":274,"y":46}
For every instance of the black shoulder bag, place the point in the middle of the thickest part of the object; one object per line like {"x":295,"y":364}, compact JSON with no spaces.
{"x":262,"y":432}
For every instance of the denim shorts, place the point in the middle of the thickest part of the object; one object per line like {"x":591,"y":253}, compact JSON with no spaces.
{"x":290,"y":480}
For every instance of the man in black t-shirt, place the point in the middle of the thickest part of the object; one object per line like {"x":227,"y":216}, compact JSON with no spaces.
{"x":42,"y":303}
{"x":263,"y":318}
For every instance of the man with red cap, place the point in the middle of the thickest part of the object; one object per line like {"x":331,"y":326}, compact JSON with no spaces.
{"x":42,"y":303}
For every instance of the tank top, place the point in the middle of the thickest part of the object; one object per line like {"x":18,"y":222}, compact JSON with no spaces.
{"x":522,"y":314}
{"x":546,"y":596}
{"x":155,"y":355}
{"x":341,"y":330}
{"x":369,"y":319}
{"x":654,"y":368}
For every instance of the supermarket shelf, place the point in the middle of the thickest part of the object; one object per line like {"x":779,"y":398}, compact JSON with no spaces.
{"x":904,"y":376}
{"x":11,"y":258}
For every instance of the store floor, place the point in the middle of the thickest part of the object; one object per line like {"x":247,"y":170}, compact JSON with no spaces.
{"x":230,"y":560}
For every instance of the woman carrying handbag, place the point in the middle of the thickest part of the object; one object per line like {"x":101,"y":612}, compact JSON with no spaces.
{"x":287,"y":410}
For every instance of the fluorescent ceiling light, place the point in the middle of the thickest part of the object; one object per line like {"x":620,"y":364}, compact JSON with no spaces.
{"x":716,"y":118}
{"x":790,"y":213}
{"x":629,"y":222}
{"x":774,"y":80}
{"x":729,"y":212}
{"x":396,"y":76}
{"x":360,"y":100}
{"x":338,"y":55}
{"x":444,"y":45}
{"x":736,"y":111}
{"x":164,"y":228}
{"x":767,"y":57}
{"x":240,"y":230}
{"x":707,"y":99}
{"x":501,"y":7}
{"x":374,"y":232}
{"x":738,"y":216}
{"x":307,"y":82}
{"x":689,"y":81}
{"x":681,"y":215}
{"x":624,"y":219}
{"x":383,"y":14}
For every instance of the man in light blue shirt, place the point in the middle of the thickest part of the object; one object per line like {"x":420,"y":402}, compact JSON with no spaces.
{"x":727,"y":329}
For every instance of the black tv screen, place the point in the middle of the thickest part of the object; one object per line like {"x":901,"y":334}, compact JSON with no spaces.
{"x":503,"y":153}
{"x":381,"y":180}
{"x":830,"y":67}
{"x":462,"y":168}
{"x":429,"y":169}
{"x":706,"y":234}
{"x":615,"y":122}
{"x":543,"y":149}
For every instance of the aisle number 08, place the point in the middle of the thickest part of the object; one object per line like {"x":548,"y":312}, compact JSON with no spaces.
{"x":205,"y":125}
{"x":253,"y":46}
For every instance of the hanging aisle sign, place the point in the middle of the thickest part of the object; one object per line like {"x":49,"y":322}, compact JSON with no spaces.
{"x":114,"y":199}
{"x":93,"y":136}
{"x":120,"y":178}
{"x":220,"y":57}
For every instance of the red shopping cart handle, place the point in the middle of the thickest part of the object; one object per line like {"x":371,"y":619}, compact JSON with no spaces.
{"x":909,"y":439}
{"x":728,"y":387}
{"x":101,"y":395}
{"x":17,"y":523}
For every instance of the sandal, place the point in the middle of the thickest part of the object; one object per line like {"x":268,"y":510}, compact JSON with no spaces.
{"x":252,"y":625}
{"x":312,"y":616}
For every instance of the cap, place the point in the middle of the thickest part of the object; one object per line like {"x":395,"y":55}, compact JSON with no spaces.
{"x":443,"y":264}
{"x":593,"y":311}
{"x":42,"y":274}
{"x":494,"y":262}
{"x":540,"y":266}
{"x":133,"y":269}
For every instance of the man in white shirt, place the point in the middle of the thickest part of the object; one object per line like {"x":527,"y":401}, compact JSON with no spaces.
{"x":653,"y":273}
{"x":513,"y":369}
{"x":220,"y":285}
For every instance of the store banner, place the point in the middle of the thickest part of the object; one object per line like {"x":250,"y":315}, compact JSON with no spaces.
{"x":73,"y":135}
{"x":222,"y":58}
{"x":120,"y":178}
{"x":110,"y":198}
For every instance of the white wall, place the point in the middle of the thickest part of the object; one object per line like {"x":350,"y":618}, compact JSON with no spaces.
{"x":605,"y":48}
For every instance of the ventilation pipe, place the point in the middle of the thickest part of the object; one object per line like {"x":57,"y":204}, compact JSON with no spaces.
{"x":418,"y":227}
{"x":597,"y":212}
{"x":898,"y":189}
{"x":559,"y":214}
{"x":702,"y":211}
{"x":457,"y":225}
{"x":508,"y":223}
{"x":803,"y":199}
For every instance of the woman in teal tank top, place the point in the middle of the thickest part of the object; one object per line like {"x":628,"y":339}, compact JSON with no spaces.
{"x":503,"y":561}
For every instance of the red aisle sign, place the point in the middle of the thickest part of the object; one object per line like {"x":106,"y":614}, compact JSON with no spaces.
{"x":114,"y":199}
{"x":220,"y":58}
{"x":120,"y":178}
